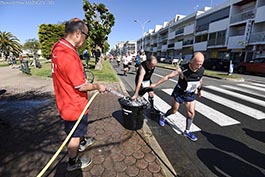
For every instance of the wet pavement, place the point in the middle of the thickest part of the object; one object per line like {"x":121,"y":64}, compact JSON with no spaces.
{"x":31,"y":131}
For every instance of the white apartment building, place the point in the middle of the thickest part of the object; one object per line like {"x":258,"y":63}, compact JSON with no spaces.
{"x":234,"y":29}
{"x":122,"y":48}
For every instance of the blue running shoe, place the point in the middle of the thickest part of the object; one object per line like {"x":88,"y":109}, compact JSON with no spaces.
{"x":190,"y":135}
{"x":162,"y":120}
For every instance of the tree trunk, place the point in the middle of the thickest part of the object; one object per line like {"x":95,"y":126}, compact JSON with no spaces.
{"x":99,"y":64}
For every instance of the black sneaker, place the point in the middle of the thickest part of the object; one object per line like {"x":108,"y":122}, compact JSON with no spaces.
{"x":79,"y":164}
{"x":84,"y":144}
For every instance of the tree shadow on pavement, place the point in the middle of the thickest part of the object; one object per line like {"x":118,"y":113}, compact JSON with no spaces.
{"x":31,"y":133}
{"x":236,"y":149}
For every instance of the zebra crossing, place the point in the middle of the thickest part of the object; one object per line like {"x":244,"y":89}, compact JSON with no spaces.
{"x":178,"y":121}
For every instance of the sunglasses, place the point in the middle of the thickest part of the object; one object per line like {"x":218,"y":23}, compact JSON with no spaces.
{"x":84,"y":33}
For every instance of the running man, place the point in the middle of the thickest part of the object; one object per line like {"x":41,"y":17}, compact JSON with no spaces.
{"x":190,"y":80}
{"x":143,"y":80}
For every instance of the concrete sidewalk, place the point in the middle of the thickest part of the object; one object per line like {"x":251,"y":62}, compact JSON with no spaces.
{"x":38,"y":132}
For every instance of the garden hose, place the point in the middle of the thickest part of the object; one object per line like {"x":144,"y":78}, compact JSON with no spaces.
{"x":68,"y":137}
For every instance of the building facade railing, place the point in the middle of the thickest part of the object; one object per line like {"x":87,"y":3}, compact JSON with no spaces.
{"x":250,"y":14}
{"x":257,"y":37}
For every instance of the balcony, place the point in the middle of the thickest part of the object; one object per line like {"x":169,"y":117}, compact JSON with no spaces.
{"x":242,"y":16}
{"x":187,"y":42}
{"x":219,"y":25}
{"x":171,"y":35}
{"x":201,"y":46}
{"x":178,"y":45}
{"x":189,"y":29}
{"x":236,"y":42}
{"x":216,"y":42}
{"x":171,"y":45}
{"x":180,"y":31}
{"x":260,"y":15}
{"x":154,"y":49}
{"x":163,"y":38}
{"x":258,"y":37}
{"x":164,"y":48}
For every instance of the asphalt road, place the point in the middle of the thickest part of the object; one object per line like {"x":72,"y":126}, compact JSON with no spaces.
{"x":229,"y":124}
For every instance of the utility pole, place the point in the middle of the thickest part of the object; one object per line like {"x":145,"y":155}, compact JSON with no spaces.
{"x":142,"y":26}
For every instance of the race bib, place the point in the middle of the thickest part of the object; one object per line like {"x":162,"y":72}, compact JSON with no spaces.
{"x":146,"y":84}
{"x":192,"y":86}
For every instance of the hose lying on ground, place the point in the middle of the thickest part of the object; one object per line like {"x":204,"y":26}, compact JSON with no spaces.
{"x":68,"y":137}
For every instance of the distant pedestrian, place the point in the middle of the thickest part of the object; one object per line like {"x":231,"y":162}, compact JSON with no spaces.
{"x":20,"y":58}
{"x":143,"y":56}
{"x":190,"y":80}
{"x":125,"y":62}
{"x":137,"y":61}
{"x":86,"y":57}
{"x":71,"y":88}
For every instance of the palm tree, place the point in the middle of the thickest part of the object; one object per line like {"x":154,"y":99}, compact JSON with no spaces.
{"x":9,"y":43}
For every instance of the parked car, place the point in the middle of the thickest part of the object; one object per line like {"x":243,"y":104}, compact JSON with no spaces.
{"x":216,"y":64}
{"x":168,"y":60}
{"x":256,"y":65}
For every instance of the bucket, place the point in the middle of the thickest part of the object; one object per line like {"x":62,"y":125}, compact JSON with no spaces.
{"x":133,"y":114}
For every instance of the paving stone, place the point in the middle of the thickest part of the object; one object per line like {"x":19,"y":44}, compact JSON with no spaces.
{"x":97,"y":170}
{"x":138,"y":154}
{"x":127,"y":151}
{"x":100,"y":132}
{"x":145,"y":173}
{"x":129,"y":160}
{"x":158,"y":175}
{"x":145,"y":149}
{"x":149,"y":157}
{"x":117,"y":157}
{"x":116,"y":149}
{"x":132,"y":171}
{"x":99,"y":159}
{"x":109,"y":173}
{"x":141,"y":164}
{"x":120,"y":166}
{"x":136,"y":147}
{"x":154,"y":167}
{"x":123,"y":174}
{"x":108,"y":163}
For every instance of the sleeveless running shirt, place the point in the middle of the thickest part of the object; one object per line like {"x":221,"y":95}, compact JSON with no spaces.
{"x":191,"y":80}
{"x":148,"y":72}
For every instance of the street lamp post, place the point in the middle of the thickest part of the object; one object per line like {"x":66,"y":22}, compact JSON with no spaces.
{"x":143,"y":26}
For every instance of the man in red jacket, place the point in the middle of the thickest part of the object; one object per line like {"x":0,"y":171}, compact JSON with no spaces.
{"x":71,"y":88}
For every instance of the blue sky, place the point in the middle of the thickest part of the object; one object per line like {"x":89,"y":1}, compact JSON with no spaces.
{"x":22,"y":17}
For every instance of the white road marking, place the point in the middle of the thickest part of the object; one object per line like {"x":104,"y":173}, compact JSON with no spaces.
{"x":212,"y":114}
{"x":260,"y":85}
{"x":243,"y":90}
{"x":177,"y":121}
{"x":252,"y":87}
{"x":237,"y":95}
{"x":257,"y":114}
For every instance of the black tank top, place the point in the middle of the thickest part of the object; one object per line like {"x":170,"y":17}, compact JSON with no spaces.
{"x":148,"y":72}
{"x":191,"y":80}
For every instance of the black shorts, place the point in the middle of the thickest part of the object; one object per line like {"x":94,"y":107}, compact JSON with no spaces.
{"x":81,"y":129}
{"x":142,"y":91}
{"x":137,"y":65}
{"x":125,"y":66}
{"x":181,"y":97}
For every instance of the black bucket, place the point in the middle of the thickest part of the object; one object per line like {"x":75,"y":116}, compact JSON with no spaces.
{"x":133,"y":116}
